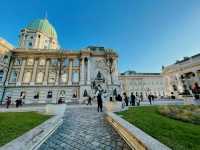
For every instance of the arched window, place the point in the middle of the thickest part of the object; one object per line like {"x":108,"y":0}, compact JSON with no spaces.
{"x":40,"y":76}
{"x":62,"y":93}
{"x":1,"y":75}
{"x":27,"y":77}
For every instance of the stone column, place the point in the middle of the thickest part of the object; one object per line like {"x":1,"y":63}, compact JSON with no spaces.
{"x":21,"y":72}
{"x":88,"y":71}
{"x":70,"y":71}
{"x":46,"y":72}
{"x":82,"y":82}
{"x":57,"y":77}
{"x":34,"y":73}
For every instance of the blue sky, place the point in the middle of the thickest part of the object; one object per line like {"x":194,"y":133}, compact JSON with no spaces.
{"x":146,"y":33}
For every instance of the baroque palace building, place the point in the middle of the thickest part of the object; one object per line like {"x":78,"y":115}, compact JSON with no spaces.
{"x":183,"y":78}
{"x":143,"y":84}
{"x":39,"y":71}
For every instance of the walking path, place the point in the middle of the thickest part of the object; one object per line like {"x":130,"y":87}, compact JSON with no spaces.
{"x":84,"y":129}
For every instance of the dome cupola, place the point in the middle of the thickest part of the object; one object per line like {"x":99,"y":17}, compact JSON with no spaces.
{"x":43,"y":26}
{"x":39,"y":34}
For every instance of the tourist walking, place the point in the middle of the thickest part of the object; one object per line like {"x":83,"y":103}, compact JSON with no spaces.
{"x":137,"y":100}
{"x":149,"y":98}
{"x":125,"y":99}
{"x":141,"y":97}
{"x":99,"y":102}
{"x":132,"y":99}
{"x":8,"y":101}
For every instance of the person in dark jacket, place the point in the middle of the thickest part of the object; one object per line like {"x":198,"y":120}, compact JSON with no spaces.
{"x":149,"y":98}
{"x":132,"y":99}
{"x":119,"y":98}
{"x":99,"y":102}
{"x":8,"y":102}
{"x":125,"y":99}
{"x":17,"y":103}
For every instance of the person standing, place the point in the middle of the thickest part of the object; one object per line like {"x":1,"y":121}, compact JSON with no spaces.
{"x":138,"y":100}
{"x":149,"y":98}
{"x":141,"y":97}
{"x":17,"y":103}
{"x":125,"y":99}
{"x":119,"y":97}
{"x":132,"y":99}
{"x":8,"y":102}
{"x":99,"y":102}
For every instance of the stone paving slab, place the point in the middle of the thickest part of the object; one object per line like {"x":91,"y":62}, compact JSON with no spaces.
{"x":84,"y":128}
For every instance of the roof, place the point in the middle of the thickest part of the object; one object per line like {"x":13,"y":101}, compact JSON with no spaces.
{"x":132,"y":72}
{"x":44,"y":26}
{"x":187,"y":58}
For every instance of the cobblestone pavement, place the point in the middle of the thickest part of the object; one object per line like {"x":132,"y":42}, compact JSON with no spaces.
{"x":84,"y":129}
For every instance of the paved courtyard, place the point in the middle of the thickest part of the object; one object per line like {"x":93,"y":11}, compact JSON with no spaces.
{"x":84,"y":129}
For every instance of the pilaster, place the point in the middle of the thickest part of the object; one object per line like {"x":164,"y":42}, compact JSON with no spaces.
{"x":34,"y":72}
{"x":21,"y":72}
{"x":46,"y":72}
{"x":70,"y":72}
{"x":82,"y":82}
{"x":88,"y":71}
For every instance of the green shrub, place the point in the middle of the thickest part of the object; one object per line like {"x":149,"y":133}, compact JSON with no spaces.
{"x":187,"y":113}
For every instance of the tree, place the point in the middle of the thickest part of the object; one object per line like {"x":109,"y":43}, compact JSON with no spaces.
{"x":109,"y":62}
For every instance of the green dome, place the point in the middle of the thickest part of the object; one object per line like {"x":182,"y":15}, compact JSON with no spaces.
{"x":44,"y":26}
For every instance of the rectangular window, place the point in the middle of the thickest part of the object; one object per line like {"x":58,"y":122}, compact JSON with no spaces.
{"x":65,"y":63}
{"x":75,"y":76}
{"x":76,"y":62}
{"x":54,"y":62}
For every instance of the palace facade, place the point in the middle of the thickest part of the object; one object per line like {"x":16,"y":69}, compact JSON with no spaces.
{"x":143,"y":84}
{"x":39,"y":71}
{"x":183,"y":78}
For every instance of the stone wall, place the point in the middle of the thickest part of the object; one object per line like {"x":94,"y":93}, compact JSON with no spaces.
{"x":29,"y":92}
